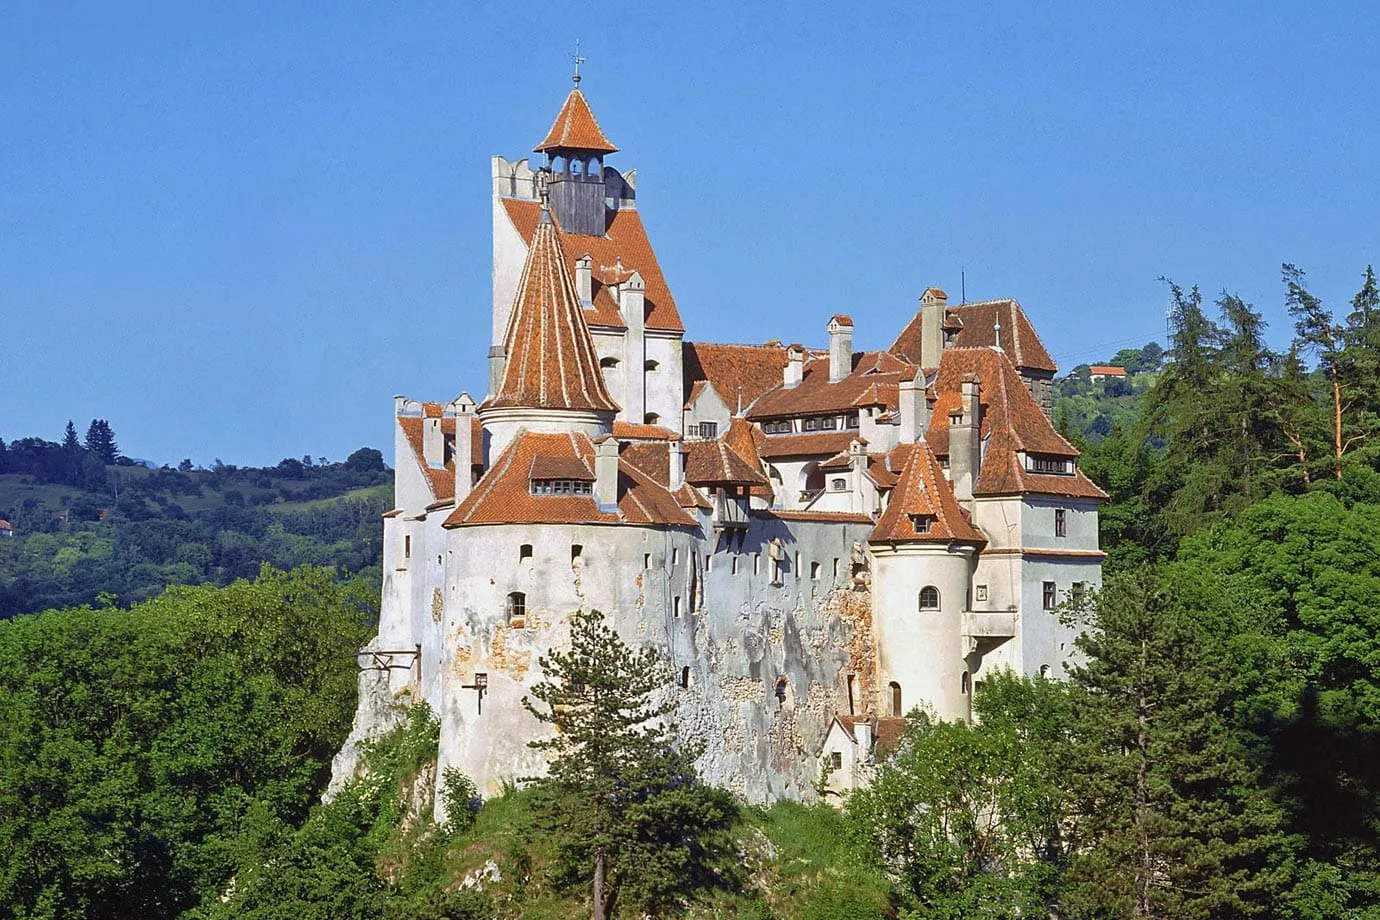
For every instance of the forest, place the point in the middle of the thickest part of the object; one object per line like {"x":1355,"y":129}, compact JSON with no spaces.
{"x":1212,"y":756}
{"x":91,"y":525}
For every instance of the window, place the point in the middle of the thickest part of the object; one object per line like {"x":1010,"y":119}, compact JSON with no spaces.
{"x":814,"y":571}
{"x":821,"y":424}
{"x":835,"y":760}
{"x":1050,"y":596}
{"x":796,"y":566}
{"x":1060,"y":523}
{"x":407,"y":547}
{"x":781,"y":690}
{"x":1077,"y":591}
{"x":650,"y":365}
{"x":524,"y":552}
{"x":896,"y":699}
{"x":1056,"y":465}
{"x":651,"y":418}
{"x":685,"y":678}
{"x":675,"y":606}
{"x":980,"y":592}
{"x":964,"y":683}
{"x":757,"y":563}
{"x":562,"y":487}
{"x":517,"y":609}
{"x":675,"y":555}
{"x":851,"y":421}
{"x":838,"y":484}
{"x":836,"y":566}
{"x":733,"y":565}
{"x":1044,"y":670}
{"x":922,"y":522}
{"x":646,"y":561}
{"x":850,"y":695}
{"x":777,"y":427}
{"x":610,"y":361}
{"x":929,"y":598}
{"x":709,"y":430}
{"x":576,"y":552}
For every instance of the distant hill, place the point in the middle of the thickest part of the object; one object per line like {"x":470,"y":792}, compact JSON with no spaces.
{"x":1092,"y":404}
{"x":91,"y":532}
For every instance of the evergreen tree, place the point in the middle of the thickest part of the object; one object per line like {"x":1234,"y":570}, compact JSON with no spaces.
{"x":1173,"y":823}
{"x":100,"y":440}
{"x":621,"y":799}
{"x":72,"y":453}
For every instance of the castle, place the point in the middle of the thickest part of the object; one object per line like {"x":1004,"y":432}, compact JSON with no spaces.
{"x":817,"y":539}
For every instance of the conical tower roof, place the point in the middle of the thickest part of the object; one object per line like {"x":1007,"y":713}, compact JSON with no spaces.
{"x":551,"y":362}
{"x":575,"y":129}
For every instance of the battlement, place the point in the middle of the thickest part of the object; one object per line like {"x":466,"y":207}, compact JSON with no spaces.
{"x":517,"y":179}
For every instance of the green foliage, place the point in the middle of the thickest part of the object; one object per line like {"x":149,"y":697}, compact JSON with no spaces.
{"x":461,"y":797}
{"x":140,"y":748}
{"x":621,"y":799}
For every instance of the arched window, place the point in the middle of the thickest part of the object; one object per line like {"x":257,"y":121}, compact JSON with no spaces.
{"x":651,"y":418}
{"x":929,"y":598}
{"x":610,"y":361}
{"x":896,"y":699}
{"x":524,"y":552}
{"x":517,"y":608}
{"x":1044,"y":670}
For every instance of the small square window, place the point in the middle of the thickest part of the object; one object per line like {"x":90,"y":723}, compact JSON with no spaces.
{"x":835,"y":760}
{"x":980,"y":592}
{"x":838,"y":484}
{"x":1051,"y":599}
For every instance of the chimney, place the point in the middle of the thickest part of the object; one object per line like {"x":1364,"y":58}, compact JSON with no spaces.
{"x":933,"y":305}
{"x":840,"y":347}
{"x":964,"y":441}
{"x":911,"y":409}
{"x":677,"y":451}
{"x":862,"y":730}
{"x":632,"y":300}
{"x":795,"y":366}
{"x":606,"y":473}
{"x":433,"y":443}
{"x":463,"y":410}
{"x":857,"y":469}
{"x":497,"y":360}
{"x":584,"y":279}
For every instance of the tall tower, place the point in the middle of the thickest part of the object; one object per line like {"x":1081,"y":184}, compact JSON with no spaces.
{"x":575,"y":148}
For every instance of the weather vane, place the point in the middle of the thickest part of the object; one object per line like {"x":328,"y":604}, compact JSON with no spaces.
{"x":578,"y":61}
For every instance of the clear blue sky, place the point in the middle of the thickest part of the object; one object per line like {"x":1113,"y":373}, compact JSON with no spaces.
{"x":237,"y":230}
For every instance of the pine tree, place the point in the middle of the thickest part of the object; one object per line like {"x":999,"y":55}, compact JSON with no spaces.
{"x":72,"y":454}
{"x":100,"y":440}
{"x":1173,"y":823}
{"x":621,"y":799}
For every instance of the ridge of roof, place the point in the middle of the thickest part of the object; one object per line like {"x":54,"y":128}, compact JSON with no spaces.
{"x":975,"y":326}
{"x":551,"y":362}
{"x":575,"y":128}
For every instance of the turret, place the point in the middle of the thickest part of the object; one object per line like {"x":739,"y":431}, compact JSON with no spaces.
{"x":575,"y":148}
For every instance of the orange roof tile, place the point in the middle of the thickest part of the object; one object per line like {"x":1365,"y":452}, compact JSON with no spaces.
{"x":875,"y":375}
{"x":504,"y":495}
{"x":733,"y":370}
{"x":747,"y":440}
{"x":442,"y":480}
{"x":1011,"y":421}
{"x":624,"y":239}
{"x":924,"y":492}
{"x":1108,"y":370}
{"x":843,"y":319}
{"x":575,"y":128}
{"x":629,"y":431}
{"x":551,"y":362}
{"x":715,"y":463}
{"x":977,"y":324}
{"x":826,"y":517}
{"x":806,"y":445}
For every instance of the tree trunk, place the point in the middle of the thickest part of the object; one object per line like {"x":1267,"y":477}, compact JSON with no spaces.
{"x":1337,"y":421}
{"x":600,"y":906}
{"x":1143,"y":793}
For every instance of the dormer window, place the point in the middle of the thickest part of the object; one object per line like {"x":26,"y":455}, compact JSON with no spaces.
{"x":776,"y":427}
{"x":922,"y":522}
{"x":1058,"y":466}
{"x":562,"y":487}
{"x":851,"y":421}
{"x":838,"y":484}
{"x":709,"y":430}
{"x":828,"y":423}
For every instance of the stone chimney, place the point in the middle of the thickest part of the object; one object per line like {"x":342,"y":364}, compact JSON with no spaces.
{"x":795,"y":366}
{"x":965,"y":443}
{"x":912,"y":409}
{"x":676,"y":450}
{"x":463,"y":453}
{"x":857,"y":469}
{"x":840,"y":347}
{"x":433,"y":443}
{"x":933,"y":305}
{"x":497,"y":360}
{"x":584,"y":279}
{"x":606,"y":473}
{"x":632,"y":301}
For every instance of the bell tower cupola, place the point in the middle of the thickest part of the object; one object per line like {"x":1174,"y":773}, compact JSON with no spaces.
{"x":575,"y":148}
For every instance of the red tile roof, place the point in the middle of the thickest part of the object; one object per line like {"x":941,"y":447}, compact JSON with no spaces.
{"x":504,"y":495}
{"x":1011,"y":421}
{"x":1108,"y":370}
{"x":712,"y":463}
{"x":624,"y":240}
{"x":751,"y":369}
{"x":806,"y":445}
{"x":923,"y":491}
{"x":977,"y":324}
{"x":629,"y":431}
{"x":873,"y":381}
{"x":575,"y":128}
{"x":747,"y":441}
{"x":551,"y":362}
{"x":843,"y":319}
{"x":442,"y":480}
{"x":824,"y":517}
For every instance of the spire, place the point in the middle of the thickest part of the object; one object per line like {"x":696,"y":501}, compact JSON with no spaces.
{"x":575,"y":128}
{"x":551,"y":362}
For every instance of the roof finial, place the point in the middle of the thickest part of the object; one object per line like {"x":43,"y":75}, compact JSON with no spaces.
{"x":544,"y":188}
{"x":578,"y":61}
{"x":996,"y":331}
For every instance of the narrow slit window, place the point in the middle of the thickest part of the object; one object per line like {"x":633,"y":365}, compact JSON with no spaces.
{"x":896,"y":699}
{"x":675,"y":606}
{"x":524,"y":552}
{"x":407,"y":546}
{"x":577,"y":552}
{"x":685,"y":678}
